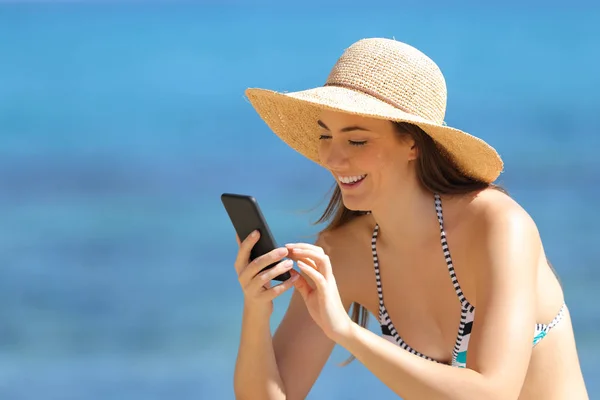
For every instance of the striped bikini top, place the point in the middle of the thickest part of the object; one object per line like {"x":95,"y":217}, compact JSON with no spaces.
{"x":467,"y":315}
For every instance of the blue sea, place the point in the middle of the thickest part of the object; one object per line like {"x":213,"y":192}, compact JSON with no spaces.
{"x":122,"y":123}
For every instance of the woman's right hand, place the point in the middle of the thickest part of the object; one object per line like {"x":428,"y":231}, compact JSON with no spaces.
{"x":256,"y":285}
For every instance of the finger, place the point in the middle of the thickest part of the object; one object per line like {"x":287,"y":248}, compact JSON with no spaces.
{"x":309,"y":253}
{"x":267,"y":285}
{"x":318,"y":279}
{"x":309,"y":261}
{"x":243,"y":255}
{"x":321,"y":260}
{"x":306,"y":279}
{"x":279,"y":289}
{"x":302,"y":286}
{"x":259,"y":263}
{"x":306,"y":246}
{"x":259,"y":281}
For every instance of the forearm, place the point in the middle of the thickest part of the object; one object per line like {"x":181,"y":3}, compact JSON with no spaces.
{"x":413,"y":377}
{"x":256,"y":373}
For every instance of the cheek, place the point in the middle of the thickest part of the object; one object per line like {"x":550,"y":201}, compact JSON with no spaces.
{"x":383,"y":160}
{"x":387,"y":167}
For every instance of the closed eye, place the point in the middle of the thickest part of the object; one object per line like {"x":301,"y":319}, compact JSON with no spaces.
{"x":355,"y":143}
{"x":351,"y":142}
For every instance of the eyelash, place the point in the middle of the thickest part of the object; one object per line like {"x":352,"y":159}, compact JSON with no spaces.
{"x":351,"y":142}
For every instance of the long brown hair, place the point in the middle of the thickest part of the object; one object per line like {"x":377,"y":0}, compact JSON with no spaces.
{"x":436,"y":172}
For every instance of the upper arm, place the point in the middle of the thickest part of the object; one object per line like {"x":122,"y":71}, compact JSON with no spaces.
{"x":301,"y":348}
{"x":506,"y":256}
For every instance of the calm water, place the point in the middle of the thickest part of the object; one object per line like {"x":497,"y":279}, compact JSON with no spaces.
{"x":120,"y":126}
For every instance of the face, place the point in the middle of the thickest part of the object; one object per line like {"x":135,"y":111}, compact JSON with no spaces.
{"x":366,"y":156}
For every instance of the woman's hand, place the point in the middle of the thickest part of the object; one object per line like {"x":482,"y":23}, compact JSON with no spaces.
{"x":323,"y":301}
{"x":256,"y":285}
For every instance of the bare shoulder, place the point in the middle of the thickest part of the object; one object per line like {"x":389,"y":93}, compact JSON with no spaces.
{"x":492,"y":211}
{"x":503,"y":238}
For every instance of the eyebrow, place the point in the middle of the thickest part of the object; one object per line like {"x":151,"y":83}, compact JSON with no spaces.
{"x":346,"y":129}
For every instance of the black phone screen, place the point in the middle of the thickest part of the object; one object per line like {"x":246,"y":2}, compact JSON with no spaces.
{"x":246,"y":216}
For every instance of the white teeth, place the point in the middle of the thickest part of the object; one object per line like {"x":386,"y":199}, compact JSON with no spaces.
{"x":351,"y":179}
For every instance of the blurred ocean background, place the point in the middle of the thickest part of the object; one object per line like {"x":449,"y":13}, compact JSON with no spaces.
{"x":122,"y":123}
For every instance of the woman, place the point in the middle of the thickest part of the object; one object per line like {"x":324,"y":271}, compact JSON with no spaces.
{"x":419,"y":235}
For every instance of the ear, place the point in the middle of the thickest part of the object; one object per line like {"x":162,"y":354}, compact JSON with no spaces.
{"x":413,"y":152}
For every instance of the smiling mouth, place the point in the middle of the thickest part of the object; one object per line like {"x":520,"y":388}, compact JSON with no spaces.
{"x":351,"y":180}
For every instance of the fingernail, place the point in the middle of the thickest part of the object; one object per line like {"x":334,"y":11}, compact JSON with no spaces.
{"x":254,"y":233}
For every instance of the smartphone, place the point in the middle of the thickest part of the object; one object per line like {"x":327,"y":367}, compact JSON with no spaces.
{"x":246,"y":216}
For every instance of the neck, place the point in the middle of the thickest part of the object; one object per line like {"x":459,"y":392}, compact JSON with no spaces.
{"x":406,"y":218}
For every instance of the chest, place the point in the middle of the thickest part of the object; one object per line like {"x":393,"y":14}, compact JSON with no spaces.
{"x":418,"y":294}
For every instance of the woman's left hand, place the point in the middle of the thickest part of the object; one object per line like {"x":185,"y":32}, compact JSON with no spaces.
{"x":323,"y":301}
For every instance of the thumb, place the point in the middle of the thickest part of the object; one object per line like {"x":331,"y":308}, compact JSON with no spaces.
{"x":302,"y":287}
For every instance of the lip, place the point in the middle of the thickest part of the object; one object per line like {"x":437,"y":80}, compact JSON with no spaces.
{"x":350,"y":186}
{"x":340,"y":176}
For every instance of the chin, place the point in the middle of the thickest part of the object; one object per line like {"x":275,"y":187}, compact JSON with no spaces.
{"x":358,"y":196}
{"x":356,"y":203}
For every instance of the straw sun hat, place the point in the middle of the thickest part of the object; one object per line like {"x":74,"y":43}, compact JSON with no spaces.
{"x":378,"y":78}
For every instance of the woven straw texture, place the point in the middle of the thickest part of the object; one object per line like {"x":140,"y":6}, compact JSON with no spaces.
{"x":378,"y":78}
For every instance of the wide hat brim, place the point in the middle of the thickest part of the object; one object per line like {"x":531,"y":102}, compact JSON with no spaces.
{"x":293,"y":117}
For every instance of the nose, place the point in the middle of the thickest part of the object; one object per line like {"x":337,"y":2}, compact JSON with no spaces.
{"x":333,"y":155}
